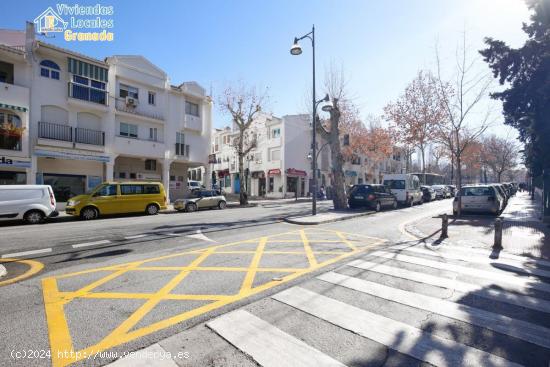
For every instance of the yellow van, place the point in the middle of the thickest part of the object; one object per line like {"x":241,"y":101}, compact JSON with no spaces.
{"x":118,"y":198}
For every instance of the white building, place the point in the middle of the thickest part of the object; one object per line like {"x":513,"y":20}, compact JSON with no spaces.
{"x":86,"y":120}
{"x":277,"y":167}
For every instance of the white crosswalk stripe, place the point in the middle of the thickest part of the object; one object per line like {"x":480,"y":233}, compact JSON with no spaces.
{"x":424,"y":341}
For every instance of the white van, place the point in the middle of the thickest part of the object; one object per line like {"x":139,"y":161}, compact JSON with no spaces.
{"x":31,"y":203}
{"x":405,"y":187}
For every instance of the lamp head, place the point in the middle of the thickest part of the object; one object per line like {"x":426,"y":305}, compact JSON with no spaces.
{"x":295,"y":49}
{"x":327,"y":108}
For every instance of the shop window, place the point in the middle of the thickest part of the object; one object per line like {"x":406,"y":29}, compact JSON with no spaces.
{"x":150,"y":165}
{"x":128,"y":91}
{"x":49,"y":69}
{"x":65,"y":186}
{"x":12,"y":178}
{"x":11,"y":131}
{"x":271,"y":184}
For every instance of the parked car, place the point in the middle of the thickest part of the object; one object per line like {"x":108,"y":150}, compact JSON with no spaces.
{"x":428,"y":194}
{"x":371,"y":196}
{"x":441,"y":191}
{"x":452,"y":190}
{"x":118,"y":198}
{"x":199,"y":200}
{"x":31,"y":203}
{"x":480,"y":198}
{"x":194,"y":185}
{"x":503,"y":194}
{"x":405,"y":187}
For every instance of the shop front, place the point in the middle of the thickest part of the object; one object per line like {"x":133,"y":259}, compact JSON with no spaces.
{"x":274,"y":183}
{"x":13,"y":170}
{"x":296,"y":182}
{"x":258,"y":185}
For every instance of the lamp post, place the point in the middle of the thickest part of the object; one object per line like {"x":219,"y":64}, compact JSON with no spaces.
{"x":297,"y":50}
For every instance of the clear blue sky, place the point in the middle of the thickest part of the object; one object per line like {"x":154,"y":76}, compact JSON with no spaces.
{"x":381,"y":44}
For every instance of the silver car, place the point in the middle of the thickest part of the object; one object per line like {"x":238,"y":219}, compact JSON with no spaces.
{"x":201,"y":199}
{"x":482,"y":198}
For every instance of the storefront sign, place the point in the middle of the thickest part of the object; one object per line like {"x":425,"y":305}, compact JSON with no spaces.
{"x":223,"y":173}
{"x":273,"y":172}
{"x":71,"y":155}
{"x":351,"y":173}
{"x":13,"y":162}
{"x":296,"y":172}
{"x":148,"y":176}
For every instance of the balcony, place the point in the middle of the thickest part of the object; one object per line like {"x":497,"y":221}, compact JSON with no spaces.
{"x":89,"y":94}
{"x":136,"y":110}
{"x":68,"y":134}
{"x":193,"y":122}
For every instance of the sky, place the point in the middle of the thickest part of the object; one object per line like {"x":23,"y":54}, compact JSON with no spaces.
{"x":380,"y":44}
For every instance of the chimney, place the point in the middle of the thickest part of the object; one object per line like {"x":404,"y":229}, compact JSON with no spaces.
{"x":29,"y":40}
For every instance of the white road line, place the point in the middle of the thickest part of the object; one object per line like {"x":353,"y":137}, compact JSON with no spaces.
{"x":444,"y":253}
{"x":25,"y":253}
{"x":519,"y":329}
{"x":396,"y":335}
{"x":94,"y":243}
{"x":152,"y":356}
{"x":135,"y":236}
{"x":172,"y":234}
{"x":533,"y":303}
{"x":266,"y":344}
{"x":200,"y":236}
{"x":498,"y":276}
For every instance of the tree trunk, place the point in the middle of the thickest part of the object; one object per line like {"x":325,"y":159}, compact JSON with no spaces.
{"x":423,"y":163}
{"x":459,"y":183}
{"x":339,"y":198}
{"x":243,"y":197}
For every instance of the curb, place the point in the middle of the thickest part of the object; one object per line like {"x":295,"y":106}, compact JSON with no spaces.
{"x":306,"y":223}
{"x":3,"y":271}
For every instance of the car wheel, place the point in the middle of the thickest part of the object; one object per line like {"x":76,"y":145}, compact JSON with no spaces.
{"x":34,"y":217}
{"x":222,"y":204}
{"x":394,"y":205}
{"x":378,"y":206}
{"x":89,"y":213}
{"x":191,"y":208}
{"x":152,"y":209}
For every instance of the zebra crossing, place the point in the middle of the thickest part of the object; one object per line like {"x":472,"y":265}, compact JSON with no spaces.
{"x":437,"y":305}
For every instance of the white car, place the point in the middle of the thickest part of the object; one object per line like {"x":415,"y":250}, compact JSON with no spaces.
{"x":482,"y":198}
{"x":194,"y":185}
{"x":405,"y":187}
{"x":31,"y":203}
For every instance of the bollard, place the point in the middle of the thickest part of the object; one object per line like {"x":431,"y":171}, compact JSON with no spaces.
{"x":444,"y":226}
{"x":498,"y":234}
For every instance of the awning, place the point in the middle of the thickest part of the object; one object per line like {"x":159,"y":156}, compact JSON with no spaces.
{"x":296,"y":172}
{"x":223,"y":173}
{"x":273,"y":172}
{"x":87,"y":70}
{"x":12,"y":107}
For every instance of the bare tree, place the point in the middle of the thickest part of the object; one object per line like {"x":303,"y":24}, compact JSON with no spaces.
{"x":460,"y":97}
{"x":417,"y":113}
{"x":499,"y":154}
{"x":242,"y":103}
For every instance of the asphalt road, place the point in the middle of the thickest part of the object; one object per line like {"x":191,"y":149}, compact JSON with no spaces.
{"x":158,"y":276}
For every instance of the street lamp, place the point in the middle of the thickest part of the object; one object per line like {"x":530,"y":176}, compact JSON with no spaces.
{"x":297,"y":50}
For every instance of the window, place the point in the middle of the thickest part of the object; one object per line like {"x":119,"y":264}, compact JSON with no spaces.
{"x":151,"y":189}
{"x":275,"y":155}
{"x":275,"y":133}
{"x":10,"y":131}
{"x":191,"y":108}
{"x":122,"y":175}
{"x":150,"y":165}
{"x":133,"y":176}
{"x":131,"y":189}
{"x":153,"y":133}
{"x":88,"y":90}
{"x":128,"y":91}
{"x":49,"y":69}
{"x":180,"y":143}
{"x":128,"y":130}
{"x":151,"y":97}
{"x":107,"y":190}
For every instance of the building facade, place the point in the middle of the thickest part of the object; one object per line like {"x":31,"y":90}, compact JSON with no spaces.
{"x":72,"y":121}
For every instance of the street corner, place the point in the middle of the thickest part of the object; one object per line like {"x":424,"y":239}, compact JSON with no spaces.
{"x":131,"y":300}
{"x":16,"y":270}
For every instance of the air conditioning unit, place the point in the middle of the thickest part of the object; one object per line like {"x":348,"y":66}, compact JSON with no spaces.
{"x":131,"y":101}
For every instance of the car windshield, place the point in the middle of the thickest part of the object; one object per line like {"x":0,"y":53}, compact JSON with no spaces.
{"x":196,"y":184}
{"x":359,"y":189}
{"x":395,"y":184}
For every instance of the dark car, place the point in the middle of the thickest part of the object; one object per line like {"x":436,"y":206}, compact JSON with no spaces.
{"x":428,"y":194}
{"x":371,"y":196}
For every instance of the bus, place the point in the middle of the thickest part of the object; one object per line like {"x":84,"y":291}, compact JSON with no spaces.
{"x":430,"y":179}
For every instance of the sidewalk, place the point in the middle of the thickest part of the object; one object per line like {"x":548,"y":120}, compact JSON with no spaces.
{"x":524,"y":233}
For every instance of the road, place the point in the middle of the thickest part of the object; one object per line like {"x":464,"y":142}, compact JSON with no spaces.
{"x":170,"y":275}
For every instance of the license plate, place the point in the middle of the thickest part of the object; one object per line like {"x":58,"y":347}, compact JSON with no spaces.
{"x":358,"y":197}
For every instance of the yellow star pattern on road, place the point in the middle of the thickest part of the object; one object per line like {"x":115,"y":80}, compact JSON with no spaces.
{"x":317,"y":247}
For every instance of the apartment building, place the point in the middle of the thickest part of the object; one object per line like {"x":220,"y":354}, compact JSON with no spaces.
{"x":279,"y":165}
{"x":72,"y":121}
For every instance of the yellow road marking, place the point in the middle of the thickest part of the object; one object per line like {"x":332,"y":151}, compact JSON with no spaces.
{"x":55,"y":300}
{"x":34,"y":267}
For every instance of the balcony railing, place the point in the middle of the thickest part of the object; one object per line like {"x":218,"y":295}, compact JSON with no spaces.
{"x":88,"y":136}
{"x":182,"y":149}
{"x":89,"y":94}
{"x":136,"y":110}
{"x":48,"y":130}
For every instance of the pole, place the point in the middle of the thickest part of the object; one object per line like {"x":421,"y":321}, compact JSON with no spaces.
{"x":314,"y":134}
{"x":498,"y":234}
